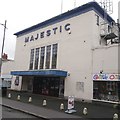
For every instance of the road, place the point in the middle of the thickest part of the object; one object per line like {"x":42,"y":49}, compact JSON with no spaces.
{"x":11,"y":113}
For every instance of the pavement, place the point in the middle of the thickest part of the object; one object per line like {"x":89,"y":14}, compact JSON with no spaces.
{"x":36,"y":110}
{"x":52,"y":109}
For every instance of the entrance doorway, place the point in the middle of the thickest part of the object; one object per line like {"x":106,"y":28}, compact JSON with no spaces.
{"x":47,"y":85}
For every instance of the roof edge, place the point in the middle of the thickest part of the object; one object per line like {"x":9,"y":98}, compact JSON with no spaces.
{"x":67,"y":15}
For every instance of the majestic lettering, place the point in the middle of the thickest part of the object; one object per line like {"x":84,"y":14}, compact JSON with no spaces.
{"x":54,"y":29}
{"x":49,"y":32}
{"x":67,"y":27}
{"x":27,"y":39}
{"x":32,"y":38}
{"x":37,"y":36}
{"x":42,"y":34}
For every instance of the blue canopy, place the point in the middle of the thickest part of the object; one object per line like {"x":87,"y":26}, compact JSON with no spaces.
{"x":58,"y":73}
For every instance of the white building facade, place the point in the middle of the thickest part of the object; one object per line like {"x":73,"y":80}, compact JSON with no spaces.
{"x":69,"y":55}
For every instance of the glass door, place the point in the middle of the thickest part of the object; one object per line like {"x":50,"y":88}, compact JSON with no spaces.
{"x":45,"y":86}
{"x":56,"y":89}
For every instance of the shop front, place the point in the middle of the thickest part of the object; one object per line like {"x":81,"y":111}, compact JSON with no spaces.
{"x":106,"y":87}
{"x":45,"y":82}
{"x":51,"y":86}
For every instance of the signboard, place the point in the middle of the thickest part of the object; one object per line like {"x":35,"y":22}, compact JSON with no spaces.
{"x":109,"y":77}
{"x":70,"y":105}
{"x":48,"y":32}
{"x":17,"y":81}
{"x":70,"y":102}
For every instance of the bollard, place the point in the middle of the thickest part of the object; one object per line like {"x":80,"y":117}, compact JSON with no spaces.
{"x":44,"y":102}
{"x":18,"y":97}
{"x":61,"y":106}
{"x":85,"y":111}
{"x":9,"y":95}
{"x":115,"y":116}
{"x":30,"y":99}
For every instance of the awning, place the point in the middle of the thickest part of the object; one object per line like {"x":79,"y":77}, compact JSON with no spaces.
{"x":58,"y":73}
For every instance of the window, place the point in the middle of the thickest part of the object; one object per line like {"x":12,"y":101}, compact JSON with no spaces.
{"x":42,"y":56}
{"x":97,"y":20}
{"x":109,"y":29}
{"x":31,"y":59}
{"x":54,"y":56}
{"x":36,"y":58}
{"x":48,"y":51}
{"x":105,"y":90}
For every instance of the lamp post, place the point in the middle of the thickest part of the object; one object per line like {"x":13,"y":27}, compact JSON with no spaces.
{"x":2,"y":45}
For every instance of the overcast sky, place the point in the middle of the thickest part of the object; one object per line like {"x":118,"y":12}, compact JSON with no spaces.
{"x":21,"y":14}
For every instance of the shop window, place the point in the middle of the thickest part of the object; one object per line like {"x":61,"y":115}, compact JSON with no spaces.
{"x":48,"y":52}
{"x":54,"y":56}
{"x":105,"y":90}
{"x":31,"y":59}
{"x":111,"y":87}
{"x":36,"y":57}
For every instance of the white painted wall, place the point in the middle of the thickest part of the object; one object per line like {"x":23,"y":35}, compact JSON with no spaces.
{"x":106,"y":59}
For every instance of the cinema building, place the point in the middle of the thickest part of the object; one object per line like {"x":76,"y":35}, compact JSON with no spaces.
{"x":72,"y":54}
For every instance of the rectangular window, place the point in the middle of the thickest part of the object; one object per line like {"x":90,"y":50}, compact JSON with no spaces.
{"x":48,"y":51}
{"x":36,"y":57}
{"x":54,"y":56}
{"x":97,"y":20}
{"x":109,"y":29}
{"x":31,"y":59}
{"x":42,"y":56}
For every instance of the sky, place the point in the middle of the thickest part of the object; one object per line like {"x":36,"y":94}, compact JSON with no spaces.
{"x":21,"y":14}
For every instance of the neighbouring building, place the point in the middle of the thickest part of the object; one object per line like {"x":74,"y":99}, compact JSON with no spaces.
{"x":72,"y":54}
{"x":7,"y":66}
